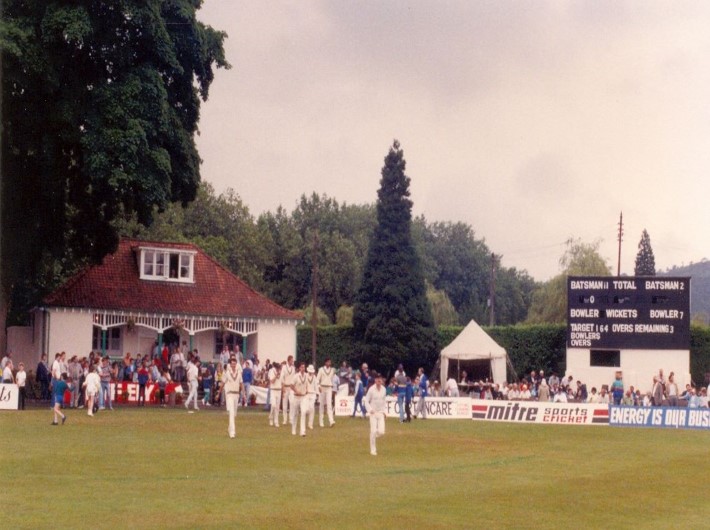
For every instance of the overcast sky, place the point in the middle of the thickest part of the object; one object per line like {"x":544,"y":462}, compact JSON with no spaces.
{"x":531,"y":121}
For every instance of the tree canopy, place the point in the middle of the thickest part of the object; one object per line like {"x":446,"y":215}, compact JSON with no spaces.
{"x":392,"y":319}
{"x":549,"y":301}
{"x":645,"y":261}
{"x":100,"y":105}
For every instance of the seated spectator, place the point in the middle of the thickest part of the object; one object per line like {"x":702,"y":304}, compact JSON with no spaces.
{"x":593,"y":396}
{"x":703,"y":398}
{"x":513,"y":392}
{"x":604,"y":396}
{"x":452,"y":388}
{"x":560,"y":395}
{"x":694,"y":399}
{"x":647,"y":400}
{"x":525,"y":394}
{"x":628,"y":399}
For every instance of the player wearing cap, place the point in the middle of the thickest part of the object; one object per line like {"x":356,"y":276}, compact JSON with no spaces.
{"x":288,"y":375}
{"x":232,"y":387}
{"x":325,"y":388}
{"x":300,"y":391}
{"x":274,"y":377}
{"x":311,"y":394}
{"x":376,"y":404}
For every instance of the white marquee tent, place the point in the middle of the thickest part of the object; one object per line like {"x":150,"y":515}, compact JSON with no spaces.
{"x":474,"y":344}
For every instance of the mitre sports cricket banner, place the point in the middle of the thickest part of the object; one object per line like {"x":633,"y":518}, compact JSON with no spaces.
{"x":668,"y":417}
{"x":535,"y":412}
{"x":437,"y":408}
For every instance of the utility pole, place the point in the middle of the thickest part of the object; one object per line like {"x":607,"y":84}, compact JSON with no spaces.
{"x":314,"y":302}
{"x":620,"y":238}
{"x":492,"y":295}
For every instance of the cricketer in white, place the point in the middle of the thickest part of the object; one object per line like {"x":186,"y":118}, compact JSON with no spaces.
{"x":376,"y":404}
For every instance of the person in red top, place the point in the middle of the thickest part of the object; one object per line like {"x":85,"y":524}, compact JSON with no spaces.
{"x":165,"y":356}
{"x":143,"y":378}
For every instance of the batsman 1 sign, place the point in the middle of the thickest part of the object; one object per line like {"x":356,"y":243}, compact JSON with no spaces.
{"x":635,"y":313}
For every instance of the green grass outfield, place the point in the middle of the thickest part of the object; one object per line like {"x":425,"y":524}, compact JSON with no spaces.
{"x":160,"y":468}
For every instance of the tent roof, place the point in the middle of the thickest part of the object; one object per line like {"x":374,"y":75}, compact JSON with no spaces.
{"x":473,"y":343}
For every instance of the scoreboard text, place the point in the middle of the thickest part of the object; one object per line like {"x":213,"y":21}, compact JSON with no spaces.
{"x":628,"y":313}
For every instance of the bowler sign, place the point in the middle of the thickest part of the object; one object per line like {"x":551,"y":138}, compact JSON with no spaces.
{"x":635,"y":313}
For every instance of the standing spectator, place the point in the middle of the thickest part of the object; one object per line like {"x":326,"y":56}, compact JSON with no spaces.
{"x":376,"y":404}
{"x":247,"y":379}
{"x":325,"y":387}
{"x":143,"y":378}
{"x":423,"y":394}
{"x":400,"y":379}
{"x":344,"y":377}
{"x":105,"y":392}
{"x":56,"y":373}
{"x":408,"y":396}
{"x":7,"y":376}
{"x":165,"y":355}
{"x":617,"y":388}
{"x":192,"y":382}
{"x":657,"y":392}
{"x":75,"y":372}
{"x":93,"y":387}
{"x":60,"y":387}
{"x":5,"y":360}
{"x":672,"y":390}
{"x":43,"y":377}
{"x":207,"y":380}
{"x":224,"y":356}
{"x":232,"y":388}
{"x":21,"y":380}
{"x":359,"y":394}
{"x":162,"y":386}
{"x":543,"y":393}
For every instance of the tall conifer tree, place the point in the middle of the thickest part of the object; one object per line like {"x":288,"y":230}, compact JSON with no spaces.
{"x":645,"y":261}
{"x":392,"y":319}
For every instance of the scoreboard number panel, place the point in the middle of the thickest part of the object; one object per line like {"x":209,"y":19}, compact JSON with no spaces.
{"x":636,"y":313}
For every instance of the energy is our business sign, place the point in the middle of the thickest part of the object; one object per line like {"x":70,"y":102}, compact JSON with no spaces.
{"x":628,"y":313}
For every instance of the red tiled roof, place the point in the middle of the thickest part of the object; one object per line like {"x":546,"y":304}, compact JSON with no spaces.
{"x":116,"y":285}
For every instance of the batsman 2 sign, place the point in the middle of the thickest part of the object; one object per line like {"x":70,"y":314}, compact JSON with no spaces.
{"x":635,"y":313}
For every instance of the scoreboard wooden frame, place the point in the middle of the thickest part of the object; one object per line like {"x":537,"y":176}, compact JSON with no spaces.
{"x":635,"y":313}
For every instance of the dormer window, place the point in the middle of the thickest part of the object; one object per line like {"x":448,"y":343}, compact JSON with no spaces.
{"x":167,"y":264}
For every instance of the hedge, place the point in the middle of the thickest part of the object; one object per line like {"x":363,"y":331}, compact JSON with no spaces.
{"x":530,"y":347}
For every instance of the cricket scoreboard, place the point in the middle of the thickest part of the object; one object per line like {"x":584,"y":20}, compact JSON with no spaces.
{"x":628,"y":313}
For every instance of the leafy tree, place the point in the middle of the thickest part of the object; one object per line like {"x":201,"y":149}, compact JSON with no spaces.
{"x":442,"y":310}
{"x":100,"y":105}
{"x":645,"y":261}
{"x":392,"y":319}
{"x":344,"y":316}
{"x":549,"y":301}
